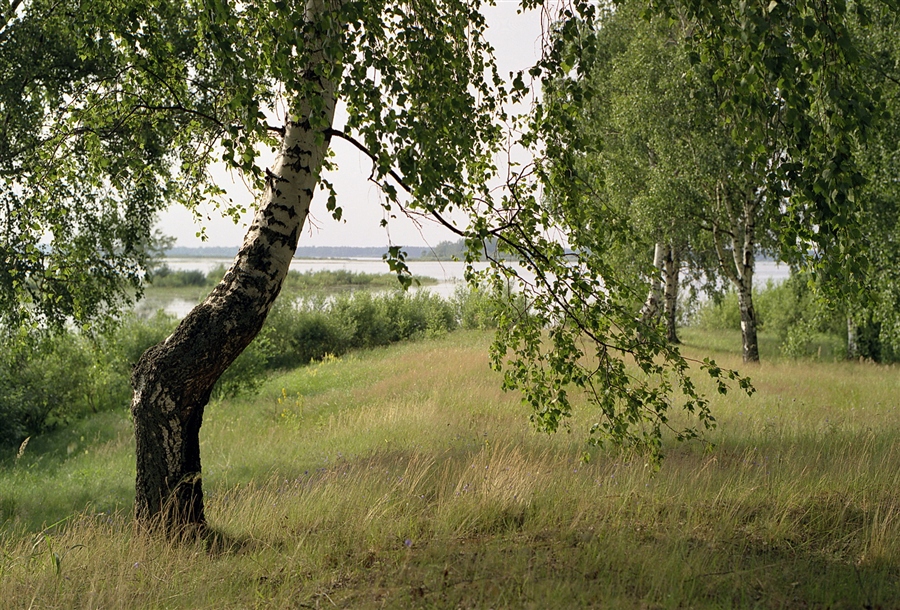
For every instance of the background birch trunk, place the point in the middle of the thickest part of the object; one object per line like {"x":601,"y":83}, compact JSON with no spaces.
{"x":750,"y":347}
{"x":671,"y":269}
{"x":651,"y":309}
{"x":741,"y":235}
{"x":852,"y":341}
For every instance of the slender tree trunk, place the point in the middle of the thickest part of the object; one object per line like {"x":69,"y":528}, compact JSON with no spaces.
{"x":671,"y":271}
{"x":740,"y":270}
{"x":745,"y":262}
{"x":651,"y":309}
{"x":852,"y":339}
{"x":748,"y":323}
{"x":173,"y":380}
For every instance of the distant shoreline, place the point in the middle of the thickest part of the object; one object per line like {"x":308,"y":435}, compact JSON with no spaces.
{"x":347,"y":257}
{"x":443,"y":251}
{"x":320,"y":252}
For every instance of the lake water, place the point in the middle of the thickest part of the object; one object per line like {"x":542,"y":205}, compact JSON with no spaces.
{"x":449,"y":274}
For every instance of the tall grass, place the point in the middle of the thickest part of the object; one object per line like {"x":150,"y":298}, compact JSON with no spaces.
{"x":403,"y":477}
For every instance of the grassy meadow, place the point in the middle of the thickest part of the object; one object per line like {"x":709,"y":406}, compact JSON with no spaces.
{"x":402,"y":477}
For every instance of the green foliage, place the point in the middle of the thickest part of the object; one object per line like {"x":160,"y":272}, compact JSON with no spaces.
{"x":325,"y":279}
{"x":129,"y":341}
{"x":344,"y":279}
{"x":308,"y":330}
{"x":49,"y":382}
{"x":164,"y":277}
{"x":476,"y":308}
{"x":47,"y":385}
{"x":303,"y":332}
{"x":247,"y":373}
{"x":719,"y":313}
{"x":95,"y":132}
{"x":637,"y":148}
{"x":811,"y":57}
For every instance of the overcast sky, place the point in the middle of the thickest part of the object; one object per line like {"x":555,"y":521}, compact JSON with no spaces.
{"x":517,"y":40}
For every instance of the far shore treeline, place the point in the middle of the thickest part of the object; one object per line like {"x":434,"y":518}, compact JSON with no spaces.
{"x":445,"y":250}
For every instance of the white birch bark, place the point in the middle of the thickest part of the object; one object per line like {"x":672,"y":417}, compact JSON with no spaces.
{"x":651,"y":309}
{"x":741,"y":268}
{"x":671,"y":269}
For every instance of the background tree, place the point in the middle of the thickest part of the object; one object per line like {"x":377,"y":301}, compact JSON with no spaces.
{"x":79,"y":189}
{"x":872,"y":320}
{"x":782,"y":90}
{"x":666,"y":161}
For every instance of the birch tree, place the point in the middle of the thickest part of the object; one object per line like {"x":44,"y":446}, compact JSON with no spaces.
{"x":653,"y":149}
{"x":873,"y":325}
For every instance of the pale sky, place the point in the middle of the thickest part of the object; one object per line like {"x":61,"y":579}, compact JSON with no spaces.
{"x":517,"y":41}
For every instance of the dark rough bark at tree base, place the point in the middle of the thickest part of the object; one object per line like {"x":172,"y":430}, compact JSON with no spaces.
{"x":173,"y":382}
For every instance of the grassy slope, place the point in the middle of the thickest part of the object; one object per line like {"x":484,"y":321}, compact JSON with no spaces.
{"x":403,"y":477}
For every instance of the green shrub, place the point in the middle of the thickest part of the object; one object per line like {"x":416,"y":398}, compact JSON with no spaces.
{"x":300,"y":332}
{"x":343,"y":278}
{"x":480,"y":307}
{"x":719,"y":313}
{"x":367,"y":316}
{"x":474,"y":307}
{"x":48,"y":383}
{"x":308,"y":329}
{"x":247,"y":373}
{"x":134,"y":335}
{"x":790,"y":310}
{"x":165,"y":277}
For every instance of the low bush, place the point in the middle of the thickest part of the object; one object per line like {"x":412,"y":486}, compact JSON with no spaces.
{"x":48,"y":383}
{"x":790,"y":310}
{"x":308,"y":329}
{"x":343,"y":278}
{"x":165,"y":277}
{"x":475,"y":307}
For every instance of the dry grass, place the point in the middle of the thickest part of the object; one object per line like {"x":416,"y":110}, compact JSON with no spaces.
{"x":403,"y":477}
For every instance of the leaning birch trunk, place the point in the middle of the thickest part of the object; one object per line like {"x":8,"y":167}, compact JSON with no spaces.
{"x":173,"y":380}
{"x":671,"y":271}
{"x":650,"y":311}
